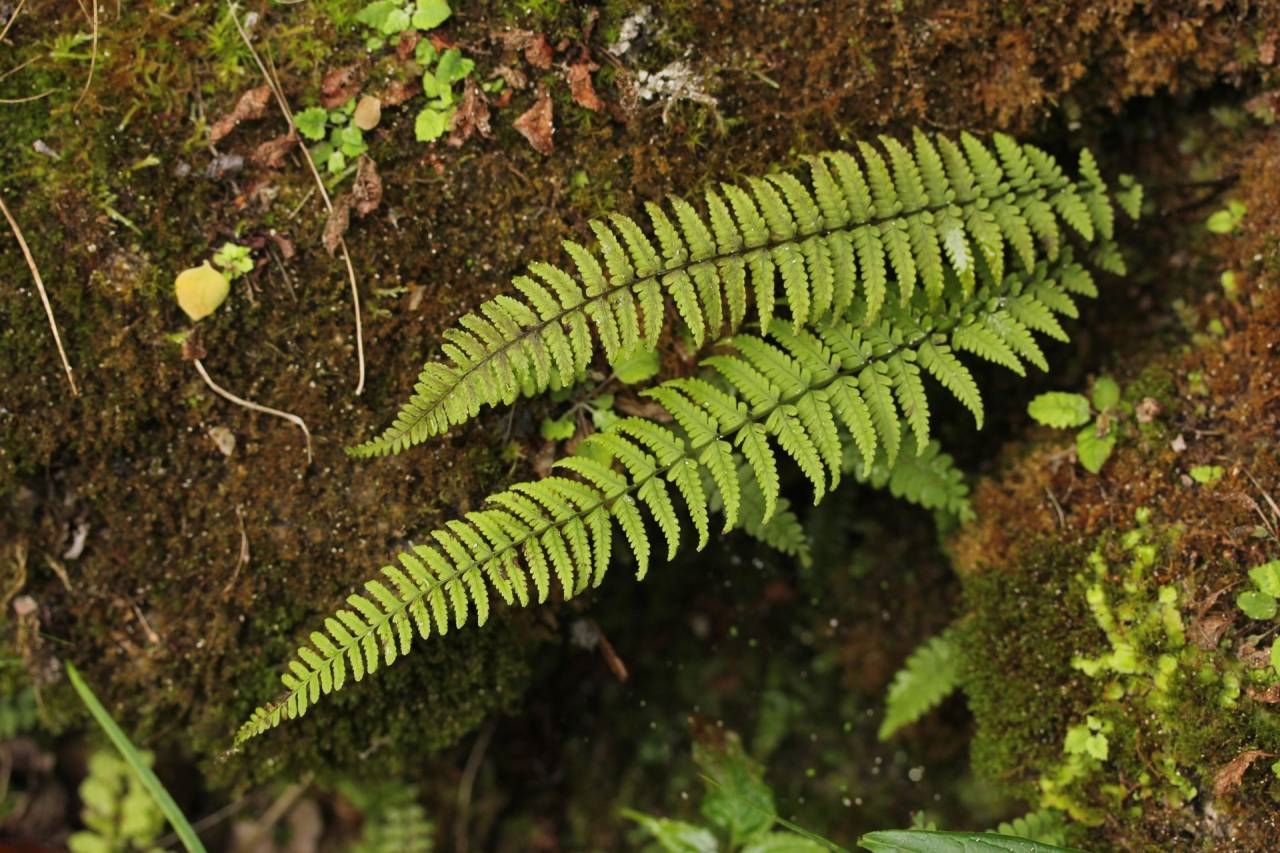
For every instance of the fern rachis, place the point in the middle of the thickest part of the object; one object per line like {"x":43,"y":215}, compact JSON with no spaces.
{"x":788,"y":388}
{"x":849,"y":234}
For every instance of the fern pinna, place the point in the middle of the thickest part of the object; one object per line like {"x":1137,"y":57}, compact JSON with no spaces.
{"x":852,"y":384}
{"x":846,"y":229}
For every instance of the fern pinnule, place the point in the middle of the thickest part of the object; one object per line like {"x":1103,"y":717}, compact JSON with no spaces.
{"x":804,"y":393}
{"x":844,"y":230}
{"x":931,"y":673}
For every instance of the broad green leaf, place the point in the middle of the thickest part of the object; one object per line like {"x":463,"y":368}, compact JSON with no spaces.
{"x":638,"y":368}
{"x":430,"y":14}
{"x":453,"y":67}
{"x":1206,"y":473}
{"x":675,"y":836}
{"x":1275,"y":656}
{"x":1267,"y":577}
{"x":430,"y":125}
{"x":1106,"y":393}
{"x":375,"y":14}
{"x":558,"y":429}
{"x":311,"y":123}
{"x":922,"y":841}
{"x":1094,"y":450}
{"x":1060,"y":410}
{"x":1257,"y":605}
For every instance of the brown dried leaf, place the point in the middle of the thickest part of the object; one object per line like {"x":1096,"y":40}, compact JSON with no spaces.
{"x":192,"y":348}
{"x":471,"y":117}
{"x":538,"y":52}
{"x":271,"y":154}
{"x":535,"y":124}
{"x":408,"y":43}
{"x":366,"y":193}
{"x":641,"y":407}
{"x":584,"y":92}
{"x":339,"y":86}
{"x":1230,"y":777}
{"x":1207,"y":631}
{"x":335,"y":227}
{"x":252,"y":105}
{"x":513,"y":77}
{"x":399,"y":91}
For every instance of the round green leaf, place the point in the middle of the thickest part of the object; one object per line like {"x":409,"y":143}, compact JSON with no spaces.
{"x":1060,"y":410}
{"x":1257,"y":605}
{"x":1106,"y":393}
{"x":1267,"y":577}
{"x":1094,"y":450}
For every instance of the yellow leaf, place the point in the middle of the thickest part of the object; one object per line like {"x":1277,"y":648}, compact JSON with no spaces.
{"x":200,"y":290}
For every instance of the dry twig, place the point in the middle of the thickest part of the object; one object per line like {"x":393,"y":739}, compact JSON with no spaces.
{"x":249,"y":404}
{"x":44,"y":297}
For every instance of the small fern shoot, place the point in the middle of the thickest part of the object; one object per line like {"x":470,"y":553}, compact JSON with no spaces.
{"x":873,"y":228}
{"x":931,"y":674}
{"x":806,"y":394}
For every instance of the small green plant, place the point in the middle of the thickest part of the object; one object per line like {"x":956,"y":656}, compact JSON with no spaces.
{"x":137,"y":763}
{"x":738,"y":808}
{"x":1227,"y":219}
{"x":338,"y":140}
{"x":438,"y":80}
{"x":119,"y":814}
{"x":1259,"y":602}
{"x":1098,"y":414}
{"x":394,"y":821}
{"x":234,"y":260}
{"x":388,"y":18}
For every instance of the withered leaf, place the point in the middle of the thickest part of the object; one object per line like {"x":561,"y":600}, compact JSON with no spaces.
{"x":471,"y":117}
{"x":252,"y":105}
{"x":535,"y":47}
{"x":1230,"y":777}
{"x":339,"y":86}
{"x":399,"y":91}
{"x":271,"y":154}
{"x":535,"y":124}
{"x":335,"y":227}
{"x":581,"y":87}
{"x":366,"y":193}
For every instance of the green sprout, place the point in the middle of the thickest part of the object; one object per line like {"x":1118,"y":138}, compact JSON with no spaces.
{"x":1260,"y":602}
{"x":1226,"y":220}
{"x":337,"y":139}
{"x":389,"y":18}
{"x":234,"y":260}
{"x":1097,"y":414}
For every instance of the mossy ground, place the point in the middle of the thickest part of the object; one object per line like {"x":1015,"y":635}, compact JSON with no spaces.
{"x":180,"y":637}
{"x":1217,"y":404}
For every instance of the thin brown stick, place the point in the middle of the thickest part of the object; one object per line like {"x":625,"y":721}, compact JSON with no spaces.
{"x":466,"y":785}
{"x":273,"y":81}
{"x":93,"y":55}
{"x":44,"y":297}
{"x":249,"y":404}
{"x":28,"y":99}
{"x":12,"y":18}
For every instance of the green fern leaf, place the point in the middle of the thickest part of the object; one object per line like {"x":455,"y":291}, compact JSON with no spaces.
{"x":845,"y":231}
{"x":931,"y":673}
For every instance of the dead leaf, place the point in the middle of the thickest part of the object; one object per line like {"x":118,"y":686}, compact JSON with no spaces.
{"x":1207,"y":631}
{"x":513,"y":77}
{"x":535,"y":124}
{"x":339,"y":86}
{"x":408,"y":43}
{"x":271,"y":154}
{"x":368,"y":113}
{"x":335,"y":227}
{"x":538,"y":52}
{"x":641,"y":408}
{"x":283,"y":244}
{"x":471,"y":117}
{"x":366,"y":193}
{"x":535,"y":47}
{"x":581,"y":87}
{"x":252,"y":105}
{"x":1270,"y":696}
{"x":1232,"y":775}
{"x":399,"y":91}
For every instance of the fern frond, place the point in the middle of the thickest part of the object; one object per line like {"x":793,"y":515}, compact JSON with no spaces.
{"x":843,"y":230}
{"x":1047,"y":826}
{"x":931,"y":673}
{"x":928,"y":479}
{"x":763,"y":397}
